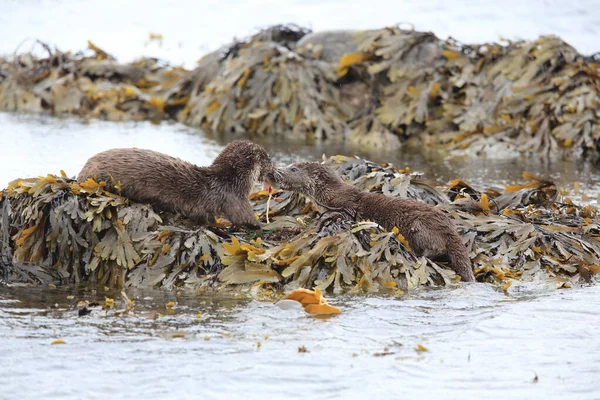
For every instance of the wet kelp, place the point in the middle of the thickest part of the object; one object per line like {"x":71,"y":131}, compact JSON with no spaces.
{"x":53,"y":229}
{"x":377,"y":88}
{"x":91,"y":85}
{"x":386,"y":86}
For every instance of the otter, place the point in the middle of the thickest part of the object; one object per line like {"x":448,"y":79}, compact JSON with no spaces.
{"x":429,"y":232}
{"x":171,"y":184}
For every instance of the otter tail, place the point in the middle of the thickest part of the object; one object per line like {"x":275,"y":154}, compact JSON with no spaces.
{"x":460,"y":261}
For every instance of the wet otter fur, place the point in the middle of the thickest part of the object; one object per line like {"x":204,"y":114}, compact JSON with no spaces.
{"x":428,"y":231}
{"x":171,"y":184}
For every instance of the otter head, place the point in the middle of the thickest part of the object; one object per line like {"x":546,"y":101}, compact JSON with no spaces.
{"x":243,"y":158}
{"x":312,"y":179}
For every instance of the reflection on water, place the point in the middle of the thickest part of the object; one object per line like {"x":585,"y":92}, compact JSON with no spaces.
{"x":481,"y":343}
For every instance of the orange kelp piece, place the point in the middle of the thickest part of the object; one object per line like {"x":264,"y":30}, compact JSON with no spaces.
{"x":322,"y":309}
{"x":91,"y":184}
{"x":305,"y":296}
{"x":485,"y":203}
{"x":312,"y":301}
{"x":536,"y":183}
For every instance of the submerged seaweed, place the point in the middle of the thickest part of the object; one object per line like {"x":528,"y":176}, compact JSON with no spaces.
{"x":53,"y":229}
{"x":377,"y":88}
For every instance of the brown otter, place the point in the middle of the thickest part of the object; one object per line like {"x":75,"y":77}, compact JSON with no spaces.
{"x":199,"y":193}
{"x":428,"y":231}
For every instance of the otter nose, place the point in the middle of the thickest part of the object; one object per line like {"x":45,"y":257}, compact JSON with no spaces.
{"x":271,"y":176}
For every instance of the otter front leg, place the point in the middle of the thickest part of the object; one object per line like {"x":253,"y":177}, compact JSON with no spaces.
{"x":242,"y":215}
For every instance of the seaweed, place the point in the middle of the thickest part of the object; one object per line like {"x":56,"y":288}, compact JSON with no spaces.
{"x":56,"y":230}
{"x":376,"y":88}
{"x":90,"y":86}
{"x":268,"y":89}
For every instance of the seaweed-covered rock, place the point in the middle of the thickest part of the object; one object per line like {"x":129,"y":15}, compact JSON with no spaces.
{"x":94,"y":86}
{"x":329,"y":46}
{"x":377,"y":88}
{"x":271,"y":90}
{"x":53,"y":229}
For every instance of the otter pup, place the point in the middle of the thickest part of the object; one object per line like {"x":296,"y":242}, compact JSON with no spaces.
{"x":428,"y":231}
{"x":199,"y":193}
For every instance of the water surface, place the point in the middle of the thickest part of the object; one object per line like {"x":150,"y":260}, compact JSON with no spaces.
{"x":481,"y":343}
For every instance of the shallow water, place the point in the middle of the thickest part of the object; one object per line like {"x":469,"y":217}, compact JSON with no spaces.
{"x":482,"y":343}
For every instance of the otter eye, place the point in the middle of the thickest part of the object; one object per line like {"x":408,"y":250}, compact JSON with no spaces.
{"x":294,"y":169}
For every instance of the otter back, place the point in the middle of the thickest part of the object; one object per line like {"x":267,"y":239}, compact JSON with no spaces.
{"x":428,"y":231}
{"x":199,"y":193}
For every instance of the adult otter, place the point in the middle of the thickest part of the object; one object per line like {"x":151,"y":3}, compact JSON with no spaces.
{"x":199,"y":193}
{"x":428,"y":231}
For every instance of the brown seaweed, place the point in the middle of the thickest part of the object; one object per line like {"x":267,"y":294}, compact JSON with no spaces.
{"x":55,"y":230}
{"x":376,"y":88}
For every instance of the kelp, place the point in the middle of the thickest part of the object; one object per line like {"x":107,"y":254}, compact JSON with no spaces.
{"x":56,"y":230}
{"x":91,"y":85}
{"x":312,"y":301}
{"x":376,"y":88}
{"x":269,"y":89}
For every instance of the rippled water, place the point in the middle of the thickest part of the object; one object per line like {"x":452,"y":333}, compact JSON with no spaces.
{"x":482,"y":343}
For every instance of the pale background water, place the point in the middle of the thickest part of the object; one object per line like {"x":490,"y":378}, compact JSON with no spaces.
{"x":482,"y":343}
{"x":191,"y":28}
